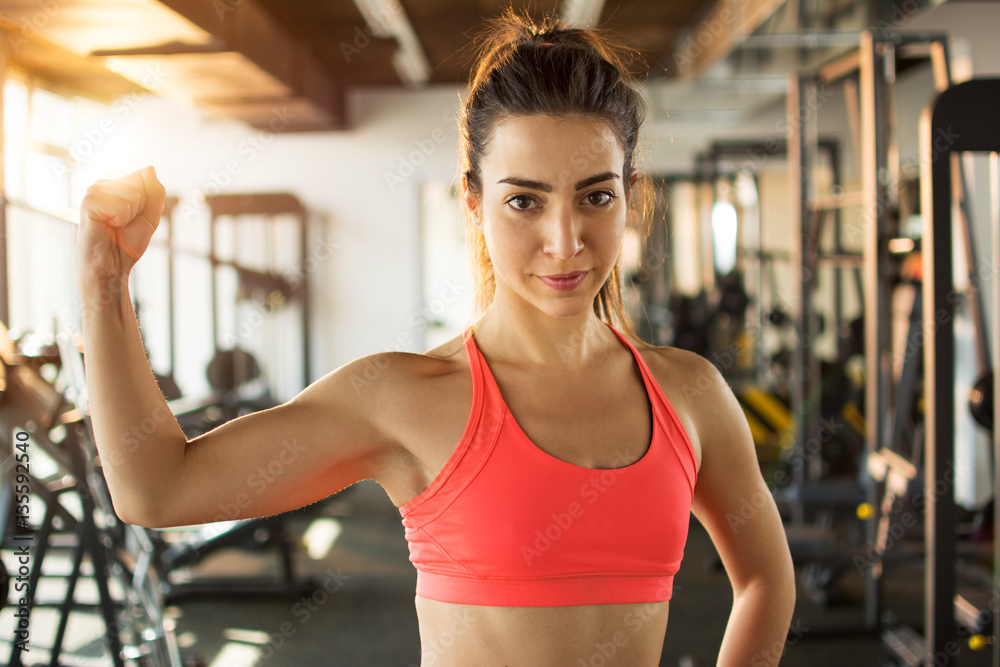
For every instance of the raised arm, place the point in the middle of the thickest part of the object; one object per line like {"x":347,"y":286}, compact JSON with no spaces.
{"x":735,"y":506}
{"x":325,"y":439}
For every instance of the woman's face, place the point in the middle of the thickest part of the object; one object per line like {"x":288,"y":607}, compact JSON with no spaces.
{"x":552,"y":202}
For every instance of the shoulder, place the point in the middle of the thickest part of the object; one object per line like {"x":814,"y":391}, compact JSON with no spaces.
{"x":696,"y":390}
{"x":671,"y":359}
{"x":394,"y":380}
{"x":402,"y":395}
{"x":390,"y":390}
{"x":685,"y":374}
{"x":395,"y":370}
{"x":409,"y":386}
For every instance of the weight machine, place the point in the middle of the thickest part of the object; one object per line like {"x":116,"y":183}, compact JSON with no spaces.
{"x":966,"y":112}
{"x":78,"y":520}
{"x":868,"y":77}
{"x":132,"y":566}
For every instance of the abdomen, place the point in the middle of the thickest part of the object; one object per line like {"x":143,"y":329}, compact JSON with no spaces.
{"x":456,"y":635}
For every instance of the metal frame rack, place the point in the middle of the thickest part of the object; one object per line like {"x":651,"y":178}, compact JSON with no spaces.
{"x":654,"y":280}
{"x":271,"y":205}
{"x":967,"y":112}
{"x":868,"y":75}
{"x":721,"y":151}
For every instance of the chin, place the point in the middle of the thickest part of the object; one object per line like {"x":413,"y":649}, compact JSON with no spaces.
{"x":569,"y":308}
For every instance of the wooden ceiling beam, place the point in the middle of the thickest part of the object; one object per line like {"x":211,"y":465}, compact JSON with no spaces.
{"x":718,"y":33}
{"x":246,"y":27}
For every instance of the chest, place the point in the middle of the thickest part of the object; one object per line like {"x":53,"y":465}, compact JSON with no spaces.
{"x":604,"y":422}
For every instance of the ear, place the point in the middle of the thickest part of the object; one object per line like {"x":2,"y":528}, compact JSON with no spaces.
{"x":631,"y":186}
{"x":471,"y":201}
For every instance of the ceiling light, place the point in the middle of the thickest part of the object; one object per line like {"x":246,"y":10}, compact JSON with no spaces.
{"x":379,"y":15}
{"x":582,"y":13}
{"x":387,"y":20}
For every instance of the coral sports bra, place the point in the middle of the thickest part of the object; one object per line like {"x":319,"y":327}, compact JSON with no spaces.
{"x":506,"y":524}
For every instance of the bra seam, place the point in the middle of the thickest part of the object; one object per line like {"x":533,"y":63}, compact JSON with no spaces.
{"x":430,"y":538}
{"x":471,"y":428}
{"x":595,"y":575}
{"x":472,"y":476}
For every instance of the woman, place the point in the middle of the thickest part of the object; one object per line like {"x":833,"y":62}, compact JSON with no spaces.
{"x":544,"y":468}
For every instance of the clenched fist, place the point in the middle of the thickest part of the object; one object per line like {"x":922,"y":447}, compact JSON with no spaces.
{"x":117,"y":219}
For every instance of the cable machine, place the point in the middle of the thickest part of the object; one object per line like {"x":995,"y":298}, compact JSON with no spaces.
{"x":868,"y":77}
{"x":966,"y":114}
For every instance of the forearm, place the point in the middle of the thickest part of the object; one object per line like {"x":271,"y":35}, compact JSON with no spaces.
{"x":140,"y":442}
{"x":758,"y":626}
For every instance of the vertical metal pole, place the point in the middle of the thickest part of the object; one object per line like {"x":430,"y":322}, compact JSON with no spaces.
{"x":838,"y":245}
{"x":798,"y":185}
{"x":877,"y":362}
{"x":4,"y":266}
{"x":888,"y":119}
{"x":304,"y":297}
{"x":812,"y":218}
{"x":168,"y":215}
{"x":758,"y":257}
{"x":3,"y":80}
{"x":213,"y":262}
{"x":706,"y":197}
{"x":939,"y":411}
{"x":995,"y":225}
{"x":942,"y":80}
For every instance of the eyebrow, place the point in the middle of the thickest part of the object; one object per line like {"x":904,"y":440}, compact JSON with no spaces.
{"x":545,"y":187}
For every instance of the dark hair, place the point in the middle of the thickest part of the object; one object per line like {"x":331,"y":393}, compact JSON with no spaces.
{"x":527,"y":68}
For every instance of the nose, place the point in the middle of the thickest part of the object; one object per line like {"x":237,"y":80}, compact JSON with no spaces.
{"x":563,"y":234}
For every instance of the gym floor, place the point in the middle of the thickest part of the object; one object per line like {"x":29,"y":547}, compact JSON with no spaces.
{"x":369,"y":617}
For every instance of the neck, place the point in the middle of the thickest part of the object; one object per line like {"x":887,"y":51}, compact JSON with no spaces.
{"x":529,"y":337}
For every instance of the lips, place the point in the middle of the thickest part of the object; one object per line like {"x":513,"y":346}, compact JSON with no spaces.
{"x":561,"y":276}
{"x":564,"y":282}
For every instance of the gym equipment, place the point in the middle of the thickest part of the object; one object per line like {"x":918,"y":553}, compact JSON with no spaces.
{"x":733,"y":297}
{"x":868,"y":75}
{"x":653,"y":278}
{"x":726,"y":157}
{"x":965,"y":112}
{"x":165,"y":555}
{"x":888,"y":467}
{"x":244,"y":342}
{"x":230,"y":368}
{"x":824,"y":481}
{"x":74,"y":517}
{"x":981,"y":401}
{"x":148,"y":635}
{"x":266,"y":284}
{"x":692,"y":325}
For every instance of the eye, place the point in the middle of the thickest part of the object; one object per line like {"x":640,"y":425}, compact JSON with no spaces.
{"x":600,"y":198}
{"x":521,"y":203}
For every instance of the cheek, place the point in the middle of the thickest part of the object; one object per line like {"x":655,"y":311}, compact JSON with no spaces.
{"x":501,"y":247}
{"x":611,"y":235}
{"x":505,"y":244}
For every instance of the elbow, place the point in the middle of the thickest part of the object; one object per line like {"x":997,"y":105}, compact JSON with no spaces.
{"x":778,"y":589}
{"x":141,"y":513}
{"x":127,"y":513}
